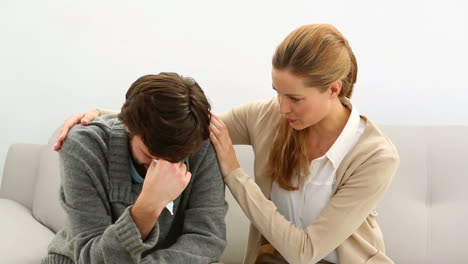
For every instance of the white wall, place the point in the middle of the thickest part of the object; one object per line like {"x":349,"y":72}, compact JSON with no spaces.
{"x":63,"y":57}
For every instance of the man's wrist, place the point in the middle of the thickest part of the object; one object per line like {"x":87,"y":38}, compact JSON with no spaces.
{"x":145,"y":217}
{"x":146,"y":209}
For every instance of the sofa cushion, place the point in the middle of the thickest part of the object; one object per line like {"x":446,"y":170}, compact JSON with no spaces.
{"x":46,"y":204}
{"x":237,"y":229}
{"x":447,"y":159}
{"x":403,"y":212}
{"x":25,"y":240}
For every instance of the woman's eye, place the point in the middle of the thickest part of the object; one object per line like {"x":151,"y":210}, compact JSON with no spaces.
{"x":294,"y":99}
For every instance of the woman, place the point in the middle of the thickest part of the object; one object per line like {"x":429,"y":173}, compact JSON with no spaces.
{"x":320,"y":167}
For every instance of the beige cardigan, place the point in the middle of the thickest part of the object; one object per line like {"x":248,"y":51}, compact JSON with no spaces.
{"x":348,"y":221}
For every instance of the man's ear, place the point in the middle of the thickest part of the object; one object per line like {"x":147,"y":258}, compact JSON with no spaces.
{"x":335,"y":88}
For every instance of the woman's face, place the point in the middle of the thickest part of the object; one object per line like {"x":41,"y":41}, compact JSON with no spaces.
{"x":302,"y":106}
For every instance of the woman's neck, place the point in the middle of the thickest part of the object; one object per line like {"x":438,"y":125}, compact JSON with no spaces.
{"x":323,"y":134}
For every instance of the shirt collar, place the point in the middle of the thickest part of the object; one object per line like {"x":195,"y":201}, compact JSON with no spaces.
{"x":341,"y":146}
{"x":136,"y":177}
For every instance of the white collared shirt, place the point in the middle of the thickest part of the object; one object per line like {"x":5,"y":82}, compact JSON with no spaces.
{"x":303,"y":206}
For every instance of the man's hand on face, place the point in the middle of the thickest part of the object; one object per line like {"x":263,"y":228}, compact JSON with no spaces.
{"x":164,"y":182}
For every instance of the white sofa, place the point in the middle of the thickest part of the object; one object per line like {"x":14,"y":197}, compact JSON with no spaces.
{"x":423,"y":216}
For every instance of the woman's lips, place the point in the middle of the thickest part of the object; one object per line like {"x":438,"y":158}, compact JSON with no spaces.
{"x":291,"y":121}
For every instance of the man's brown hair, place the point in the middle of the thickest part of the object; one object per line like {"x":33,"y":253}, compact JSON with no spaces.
{"x":169,"y":112}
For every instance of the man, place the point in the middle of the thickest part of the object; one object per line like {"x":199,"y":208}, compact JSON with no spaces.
{"x":143,"y":186}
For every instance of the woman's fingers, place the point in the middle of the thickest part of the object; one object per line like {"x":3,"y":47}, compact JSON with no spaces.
{"x":69,"y":123}
{"x":220,"y":144}
{"x":215,"y":142}
{"x":215,"y":130}
{"x":57,"y":145}
{"x":83,"y":118}
{"x":217,"y":122}
{"x":90,"y":116}
{"x":218,"y":128}
{"x":220,"y":139}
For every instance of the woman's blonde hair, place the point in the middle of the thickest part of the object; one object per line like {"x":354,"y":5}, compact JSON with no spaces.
{"x":321,"y":55}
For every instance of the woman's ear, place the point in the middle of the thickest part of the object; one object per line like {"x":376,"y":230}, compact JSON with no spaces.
{"x":335,"y":88}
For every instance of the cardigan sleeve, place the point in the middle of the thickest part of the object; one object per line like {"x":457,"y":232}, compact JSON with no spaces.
{"x":237,"y":122}
{"x":345,"y":212}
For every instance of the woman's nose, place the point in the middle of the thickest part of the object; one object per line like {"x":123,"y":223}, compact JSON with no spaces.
{"x":283,"y":106}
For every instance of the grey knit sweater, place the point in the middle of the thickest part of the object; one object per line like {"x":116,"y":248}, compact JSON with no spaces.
{"x":97,"y":193}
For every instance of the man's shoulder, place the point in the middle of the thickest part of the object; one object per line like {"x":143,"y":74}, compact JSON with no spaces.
{"x":206,"y":151}
{"x":206,"y":173}
{"x":92,"y":135}
{"x":205,"y":159}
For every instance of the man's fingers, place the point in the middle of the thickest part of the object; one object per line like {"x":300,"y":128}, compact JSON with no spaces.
{"x":188,"y":176}
{"x":183,"y":167}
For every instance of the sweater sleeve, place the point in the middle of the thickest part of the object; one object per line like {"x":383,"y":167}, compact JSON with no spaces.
{"x":244,"y":121}
{"x":237,"y":122}
{"x":342,"y":216}
{"x":203,"y":236}
{"x":91,"y":235}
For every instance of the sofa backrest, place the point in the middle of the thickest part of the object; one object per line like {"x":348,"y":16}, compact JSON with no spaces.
{"x":31,"y":177}
{"x":423,"y":215}
{"x":46,"y":206}
{"x":19,"y":173}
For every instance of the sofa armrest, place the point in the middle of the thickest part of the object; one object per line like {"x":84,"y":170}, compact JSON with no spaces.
{"x":20,"y":172}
